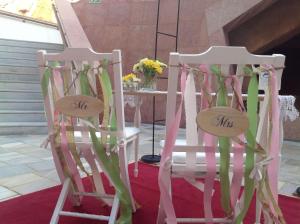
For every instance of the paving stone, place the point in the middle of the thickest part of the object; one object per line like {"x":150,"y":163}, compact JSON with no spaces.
{"x":14,"y":181}
{"x":42,"y":165}
{"x":41,"y":154}
{"x":22,"y":157}
{"x":3,"y":164}
{"x":34,"y":186}
{"x":9,"y":156}
{"x":4,"y":150}
{"x":11,"y":145}
{"x":288,"y":189}
{"x":22,"y":160}
{"x":49,"y":174}
{"x":6,"y":193}
{"x":13,"y":170}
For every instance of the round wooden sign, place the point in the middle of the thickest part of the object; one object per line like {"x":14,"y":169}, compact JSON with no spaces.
{"x":223,"y":121}
{"x":79,"y":106}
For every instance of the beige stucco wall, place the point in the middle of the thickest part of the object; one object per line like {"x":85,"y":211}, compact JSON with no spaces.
{"x":130,"y":25}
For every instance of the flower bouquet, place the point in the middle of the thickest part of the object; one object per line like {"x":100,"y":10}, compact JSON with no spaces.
{"x":149,"y":69}
{"x":131,"y":82}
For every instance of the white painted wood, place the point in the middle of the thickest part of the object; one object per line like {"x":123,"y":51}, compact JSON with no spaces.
{"x":224,"y":56}
{"x":114,"y":211}
{"x":79,"y":56}
{"x":124,"y":172}
{"x":190,"y":106}
{"x":71,"y":27}
{"x":200,"y":220}
{"x":172,"y":88}
{"x":231,"y":55}
{"x":84,"y":215}
{"x":118,"y":87}
{"x":61,"y":201}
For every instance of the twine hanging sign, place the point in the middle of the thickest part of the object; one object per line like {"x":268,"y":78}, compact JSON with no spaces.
{"x":222,"y":121}
{"x":79,"y":106}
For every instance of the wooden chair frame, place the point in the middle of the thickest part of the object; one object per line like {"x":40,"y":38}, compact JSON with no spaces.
{"x":71,"y":57}
{"x":225,"y":56}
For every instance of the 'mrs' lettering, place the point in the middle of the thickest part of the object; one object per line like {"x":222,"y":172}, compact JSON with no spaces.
{"x":223,"y":121}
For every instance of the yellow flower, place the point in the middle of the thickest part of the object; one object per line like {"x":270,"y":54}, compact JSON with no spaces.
{"x":149,"y":66}
{"x":131,"y":77}
{"x":149,"y":63}
{"x":136,"y":67}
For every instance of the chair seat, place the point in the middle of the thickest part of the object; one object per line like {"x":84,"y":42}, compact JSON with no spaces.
{"x":130,"y":132}
{"x":180,"y":157}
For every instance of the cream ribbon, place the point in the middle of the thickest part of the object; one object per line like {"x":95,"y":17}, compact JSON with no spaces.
{"x":45,"y":143}
{"x":256,"y":173}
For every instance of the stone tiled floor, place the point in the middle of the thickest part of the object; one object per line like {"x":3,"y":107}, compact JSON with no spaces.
{"x":26,"y":167}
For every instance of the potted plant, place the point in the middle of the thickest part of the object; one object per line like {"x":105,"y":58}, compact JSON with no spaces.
{"x":149,"y":69}
{"x":131,"y":82}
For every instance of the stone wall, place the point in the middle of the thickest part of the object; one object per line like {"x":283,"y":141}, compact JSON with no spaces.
{"x":130,"y":25}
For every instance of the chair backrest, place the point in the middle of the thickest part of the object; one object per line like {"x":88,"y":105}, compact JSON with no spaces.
{"x":226,"y":57}
{"x":73,"y":60}
{"x":85,"y":113}
{"x":213,"y":93}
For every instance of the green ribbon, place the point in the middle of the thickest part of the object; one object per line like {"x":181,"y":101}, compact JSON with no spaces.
{"x":252,"y":102}
{"x":109,"y":162}
{"x":224,"y":145}
{"x":45,"y":81}
{"x":46,"y":77}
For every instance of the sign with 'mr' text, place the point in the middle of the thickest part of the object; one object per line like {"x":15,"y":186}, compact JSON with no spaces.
{"x":79,"y":106}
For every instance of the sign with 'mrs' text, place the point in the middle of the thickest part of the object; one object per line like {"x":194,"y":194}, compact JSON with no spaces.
{"x":223,"y":121}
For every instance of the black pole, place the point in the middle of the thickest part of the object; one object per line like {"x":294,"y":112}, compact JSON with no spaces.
{"x":177,"y":25}
{"x":156,"y":158}
{"x":153,"y":158}
{"x":157,"y":22}
{"x":153,"y":125}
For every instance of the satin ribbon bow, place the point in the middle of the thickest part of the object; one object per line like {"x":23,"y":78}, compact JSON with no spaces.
{"x":47,"y":140}
{"x":256,"y":173}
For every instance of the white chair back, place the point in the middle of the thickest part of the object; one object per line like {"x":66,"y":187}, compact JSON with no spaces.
{"x":232,"y":64}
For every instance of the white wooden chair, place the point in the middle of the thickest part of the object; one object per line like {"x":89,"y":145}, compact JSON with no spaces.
{"x":64,"y":80}
{"x":189,"y":156}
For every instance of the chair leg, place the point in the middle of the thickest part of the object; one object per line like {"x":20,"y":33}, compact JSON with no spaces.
{"x":114,"y":211}
{"x":161,"y":217}
{"x":61,"y":201}
{"x":124,"y":173}
{"x":136,"y":151}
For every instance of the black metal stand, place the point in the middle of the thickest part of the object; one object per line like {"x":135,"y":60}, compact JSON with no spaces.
{"x":152,"y":158}
{"x":156,"y":158}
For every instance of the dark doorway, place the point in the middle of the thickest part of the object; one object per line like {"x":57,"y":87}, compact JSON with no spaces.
{"x":291,"y":74}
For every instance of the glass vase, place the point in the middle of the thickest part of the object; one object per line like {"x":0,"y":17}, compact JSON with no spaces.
{"x":149,"y":83}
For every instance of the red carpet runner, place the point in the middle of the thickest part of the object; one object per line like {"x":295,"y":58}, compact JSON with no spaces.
{"x":37,"y":208}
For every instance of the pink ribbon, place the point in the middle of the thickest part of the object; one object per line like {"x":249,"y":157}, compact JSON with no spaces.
{"x":210,"y":151}
{"x":238,"y":150}
{"x":274,"y":149}
{"x":164,"y":178}
{"x":58,"y":82}
{"x":75,"y":176}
